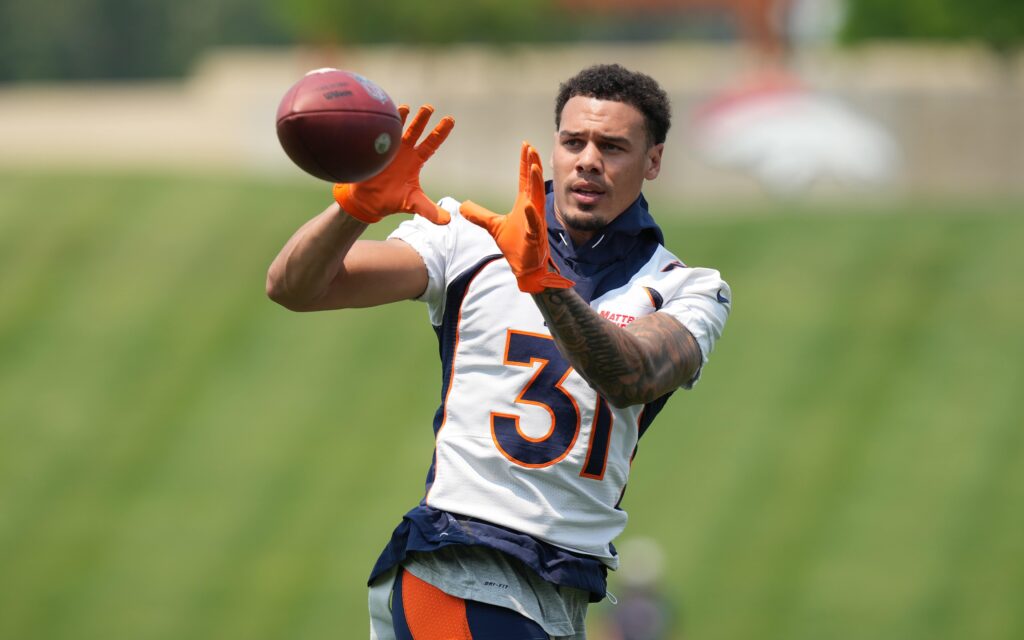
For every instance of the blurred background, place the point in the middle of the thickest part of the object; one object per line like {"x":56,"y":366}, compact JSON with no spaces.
{"x":180,"y":458}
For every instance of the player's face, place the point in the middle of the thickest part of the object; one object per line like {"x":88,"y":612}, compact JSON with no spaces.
{"x":600,"y":162}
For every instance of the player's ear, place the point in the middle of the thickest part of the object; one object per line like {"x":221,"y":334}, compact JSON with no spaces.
{"x":653,"y":161}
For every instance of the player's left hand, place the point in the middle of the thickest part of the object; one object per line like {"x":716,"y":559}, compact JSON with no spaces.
{"x":397,"y":189}
{"x":522,"y":235}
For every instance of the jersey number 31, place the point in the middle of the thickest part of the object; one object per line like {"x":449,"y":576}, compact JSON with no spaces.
{"x":545,"y":390}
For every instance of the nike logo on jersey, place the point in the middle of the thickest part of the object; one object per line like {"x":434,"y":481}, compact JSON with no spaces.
{"x":656,"y":300}
{"x":722,"y":298}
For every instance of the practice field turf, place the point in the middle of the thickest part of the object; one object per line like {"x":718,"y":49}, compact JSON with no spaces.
{"x":180,"y":458}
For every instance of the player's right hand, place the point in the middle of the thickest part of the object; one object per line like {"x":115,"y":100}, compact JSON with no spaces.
{"x":522,"y":235}
{"x":397,"y":189}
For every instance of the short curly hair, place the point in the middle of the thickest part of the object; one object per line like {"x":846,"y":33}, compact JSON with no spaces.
{"x":615,"y":82}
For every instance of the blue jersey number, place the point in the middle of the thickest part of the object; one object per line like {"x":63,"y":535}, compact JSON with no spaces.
{"x":545,"y":390}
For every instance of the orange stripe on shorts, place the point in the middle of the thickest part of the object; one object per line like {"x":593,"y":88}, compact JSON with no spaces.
{"x":431,"y":613}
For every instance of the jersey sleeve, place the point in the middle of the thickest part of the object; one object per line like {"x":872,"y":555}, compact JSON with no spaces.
{"x":432,"y":242}
{"x":447,"y":250}
{"x":701,"y":301}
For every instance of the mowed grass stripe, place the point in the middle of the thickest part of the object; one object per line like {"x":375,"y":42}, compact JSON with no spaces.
{"x":23,"y":211}
{"x":159,"y":355}
{"x":123,"y":388}
{"x":87,"y":490}
{"x":202,"y":578}
{"x":227,"y":309}
{"x":970,"y":592}
{"x":39,"y":378}
{"x":234,"y":581}
{"x":764,"y":523}
{"x":812,"y":465}
{"x":39,"y":264}
{"x":923,"y":285}
{"x":972,"y":426}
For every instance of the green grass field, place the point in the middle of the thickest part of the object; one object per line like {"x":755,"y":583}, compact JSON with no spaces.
{"x":180,"y":458}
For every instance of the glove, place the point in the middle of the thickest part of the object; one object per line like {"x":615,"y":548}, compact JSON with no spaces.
{"x":522,"y":235}
{"x":397,"y":189}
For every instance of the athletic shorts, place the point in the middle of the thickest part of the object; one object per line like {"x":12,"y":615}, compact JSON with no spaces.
{"x":421,"y":611}
{"x":485,"y":594}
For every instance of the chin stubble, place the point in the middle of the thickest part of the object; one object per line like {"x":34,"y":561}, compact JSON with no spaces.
{"x":588,"y":223}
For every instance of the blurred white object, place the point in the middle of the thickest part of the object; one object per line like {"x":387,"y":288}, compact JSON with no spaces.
{"x":789,"y":137}
{"x":643,"y":562}
{"x":815,"y":21}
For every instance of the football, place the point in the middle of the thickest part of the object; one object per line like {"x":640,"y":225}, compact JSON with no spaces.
{"x":338,"y":126}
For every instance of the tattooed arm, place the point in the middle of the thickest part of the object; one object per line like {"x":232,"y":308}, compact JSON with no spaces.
{"x":627,"y":365}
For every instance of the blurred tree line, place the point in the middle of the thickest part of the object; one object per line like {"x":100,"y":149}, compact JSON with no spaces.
{"x":87,"y":39}
{"x":122,"y":39}
{"x":998,"y":23}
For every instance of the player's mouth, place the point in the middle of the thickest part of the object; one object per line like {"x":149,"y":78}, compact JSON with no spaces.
{"x":586,"y":193}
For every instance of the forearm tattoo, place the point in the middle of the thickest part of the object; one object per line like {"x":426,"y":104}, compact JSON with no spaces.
{"x":627,"y":365}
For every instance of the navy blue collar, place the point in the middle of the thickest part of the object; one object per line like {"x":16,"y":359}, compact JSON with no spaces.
{"x":614,"y":253}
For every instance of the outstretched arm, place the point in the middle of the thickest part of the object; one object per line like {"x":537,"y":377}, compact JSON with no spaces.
{"x":324,"y":266}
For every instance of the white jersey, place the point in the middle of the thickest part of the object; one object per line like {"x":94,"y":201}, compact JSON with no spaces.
{"x":522,"y":440}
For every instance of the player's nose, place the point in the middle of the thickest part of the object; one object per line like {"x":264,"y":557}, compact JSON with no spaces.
{"x":589,"y":159}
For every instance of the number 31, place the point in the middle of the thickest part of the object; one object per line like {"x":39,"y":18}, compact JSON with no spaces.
{"x":545,"y":390}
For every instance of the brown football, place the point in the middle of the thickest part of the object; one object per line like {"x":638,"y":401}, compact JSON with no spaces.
{"x":338,"y":126}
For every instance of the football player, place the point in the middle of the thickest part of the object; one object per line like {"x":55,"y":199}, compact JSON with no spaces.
{"x":564,"y":326}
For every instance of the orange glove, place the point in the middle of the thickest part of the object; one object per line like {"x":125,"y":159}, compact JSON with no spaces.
{"x":397,"y":189}
{"x":522,"y":235}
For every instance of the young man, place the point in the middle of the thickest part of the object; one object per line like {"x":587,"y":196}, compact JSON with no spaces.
{"x":563,"y":327}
